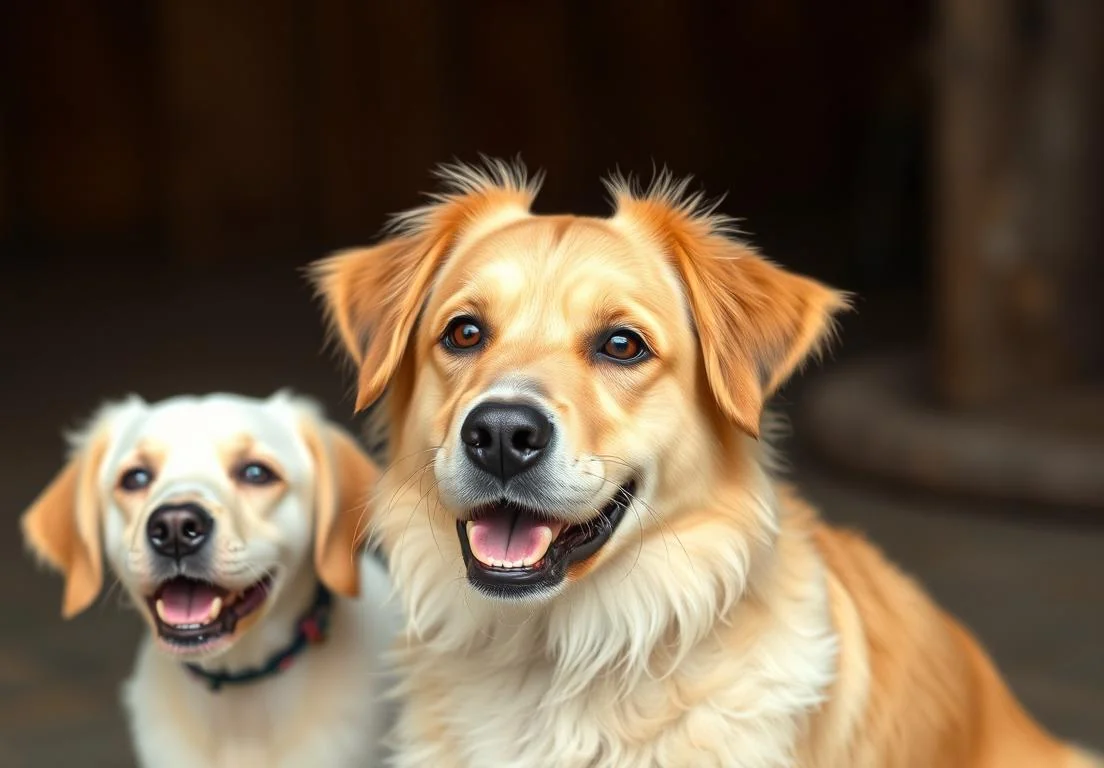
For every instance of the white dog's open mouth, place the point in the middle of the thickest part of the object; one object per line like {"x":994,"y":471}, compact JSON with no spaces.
{"x":512,"y":551}
{"x":191,"y":614}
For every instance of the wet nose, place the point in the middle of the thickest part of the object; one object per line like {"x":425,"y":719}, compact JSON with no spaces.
{"x":505,"y":439}
{"x":178,"y":530}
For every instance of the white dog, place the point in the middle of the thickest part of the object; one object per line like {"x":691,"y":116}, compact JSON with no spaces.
{"x":233,"y":524}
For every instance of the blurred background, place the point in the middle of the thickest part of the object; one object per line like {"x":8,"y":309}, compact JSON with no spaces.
{"x":167,"y":168}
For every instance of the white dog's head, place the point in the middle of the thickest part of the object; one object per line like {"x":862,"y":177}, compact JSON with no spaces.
{"x":212,"y":511}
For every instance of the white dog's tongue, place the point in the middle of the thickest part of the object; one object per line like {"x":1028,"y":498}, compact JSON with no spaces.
{"x":187,"y":602}
{"x":511,"y":541}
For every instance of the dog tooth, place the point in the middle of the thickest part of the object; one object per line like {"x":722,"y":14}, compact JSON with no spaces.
{"x":160,"y":605}
{"x":216,"y":609}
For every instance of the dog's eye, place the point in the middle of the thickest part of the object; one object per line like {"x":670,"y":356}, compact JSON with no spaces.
{"x":136,"y":479}
{"x":256,"y":473}
{"x":624,"y":346}
{"x":463,"y":334}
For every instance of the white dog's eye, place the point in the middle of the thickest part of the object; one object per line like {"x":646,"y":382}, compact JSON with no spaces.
{"x":256,"y":473}
{"x":136,"y":479}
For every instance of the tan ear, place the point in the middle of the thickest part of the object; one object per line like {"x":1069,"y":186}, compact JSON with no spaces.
{"x":756,"y":322}
{"x":62,"y":527}
{"x":373,"y":296}
{"x":344,"y":478}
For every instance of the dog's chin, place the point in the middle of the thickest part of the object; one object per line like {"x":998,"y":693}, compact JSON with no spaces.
{"x":514,"y":552}
{"x":193,"y":618}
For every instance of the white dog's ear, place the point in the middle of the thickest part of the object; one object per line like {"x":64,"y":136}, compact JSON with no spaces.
{"x":62,"y":526}
{"x":344,"y":478}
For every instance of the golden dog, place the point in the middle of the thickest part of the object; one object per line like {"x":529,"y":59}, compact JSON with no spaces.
{"x":597,"y":566}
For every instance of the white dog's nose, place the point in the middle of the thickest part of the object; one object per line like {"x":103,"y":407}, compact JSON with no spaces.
{"x":179,"y":530}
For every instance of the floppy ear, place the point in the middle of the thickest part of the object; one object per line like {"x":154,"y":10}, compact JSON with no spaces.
{"x":344,"y":479}
{"x":756,"y":322}
{"x":373,"y":296}
{"x":62,"y":527}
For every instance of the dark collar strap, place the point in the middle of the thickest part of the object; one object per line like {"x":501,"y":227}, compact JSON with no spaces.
{"x":312,"y":629}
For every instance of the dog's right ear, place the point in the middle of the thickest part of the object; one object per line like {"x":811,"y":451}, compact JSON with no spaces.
{"x":62,"y":526}
{"x":344,"y":480}
{"x":373,"y":296}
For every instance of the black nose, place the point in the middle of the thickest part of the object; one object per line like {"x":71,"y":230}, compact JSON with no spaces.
{"x":505,"y":438}
{"x":178,"y":530}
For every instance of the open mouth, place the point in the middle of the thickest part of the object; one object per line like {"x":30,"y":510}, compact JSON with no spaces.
{"x":512,"y":551}
{"x":191,"y":614}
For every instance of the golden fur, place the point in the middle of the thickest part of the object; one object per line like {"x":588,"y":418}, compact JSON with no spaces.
{"x":722,"y":624}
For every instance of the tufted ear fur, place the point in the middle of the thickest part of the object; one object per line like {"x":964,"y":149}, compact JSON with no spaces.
{"x":344,"y":479}
{"x":756,"y":322}
{"x":373,"y":296}
{"x":62,"y":526}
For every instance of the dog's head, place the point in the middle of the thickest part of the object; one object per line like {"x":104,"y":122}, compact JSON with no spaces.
{"x":560,"y":375}
{"x":210,"y":510}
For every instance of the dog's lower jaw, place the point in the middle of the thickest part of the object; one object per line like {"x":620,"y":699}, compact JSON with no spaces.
{"x":264,"y":633}
{"x":546,"y":550}
{"x":193,"y":618}
{"x":326,"y":709}
{"x":596,"y":673}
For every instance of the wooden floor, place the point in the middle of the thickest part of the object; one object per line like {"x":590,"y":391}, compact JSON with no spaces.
{"x":1031,"y":588}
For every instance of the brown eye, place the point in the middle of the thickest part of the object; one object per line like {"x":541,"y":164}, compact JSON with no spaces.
{"x":624,"y":346}
{"x":463,"y":334}
{"x":136,"y":479}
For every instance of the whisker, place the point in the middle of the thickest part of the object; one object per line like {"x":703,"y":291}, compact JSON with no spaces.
{"x":395,"y":462}
{"x":402,"y":486}
{"x":401,"y":489}
{"x":640,"y":528}
{"x":432,"y":528}
{"x":413,"y":508}
{"x":648,"y":507}
{"x":116,"y":590}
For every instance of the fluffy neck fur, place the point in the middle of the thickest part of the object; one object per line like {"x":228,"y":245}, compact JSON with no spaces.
{"x":725,"y":582}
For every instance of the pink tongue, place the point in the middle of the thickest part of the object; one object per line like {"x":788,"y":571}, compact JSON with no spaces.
{"x":511,"y":538}
{"x":187,"y":603}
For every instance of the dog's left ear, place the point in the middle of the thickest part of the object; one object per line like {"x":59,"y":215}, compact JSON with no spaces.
{"x":756,"y":322}
{"x":373,"y":296}
{"x":344,"y":480}
{"x":62,"y":526}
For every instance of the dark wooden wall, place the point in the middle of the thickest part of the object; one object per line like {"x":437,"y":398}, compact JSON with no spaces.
{"x":248,"y":131}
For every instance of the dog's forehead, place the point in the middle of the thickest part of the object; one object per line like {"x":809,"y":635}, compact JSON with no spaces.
{"x":214,"y":424}
{"x":589,"y":258}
